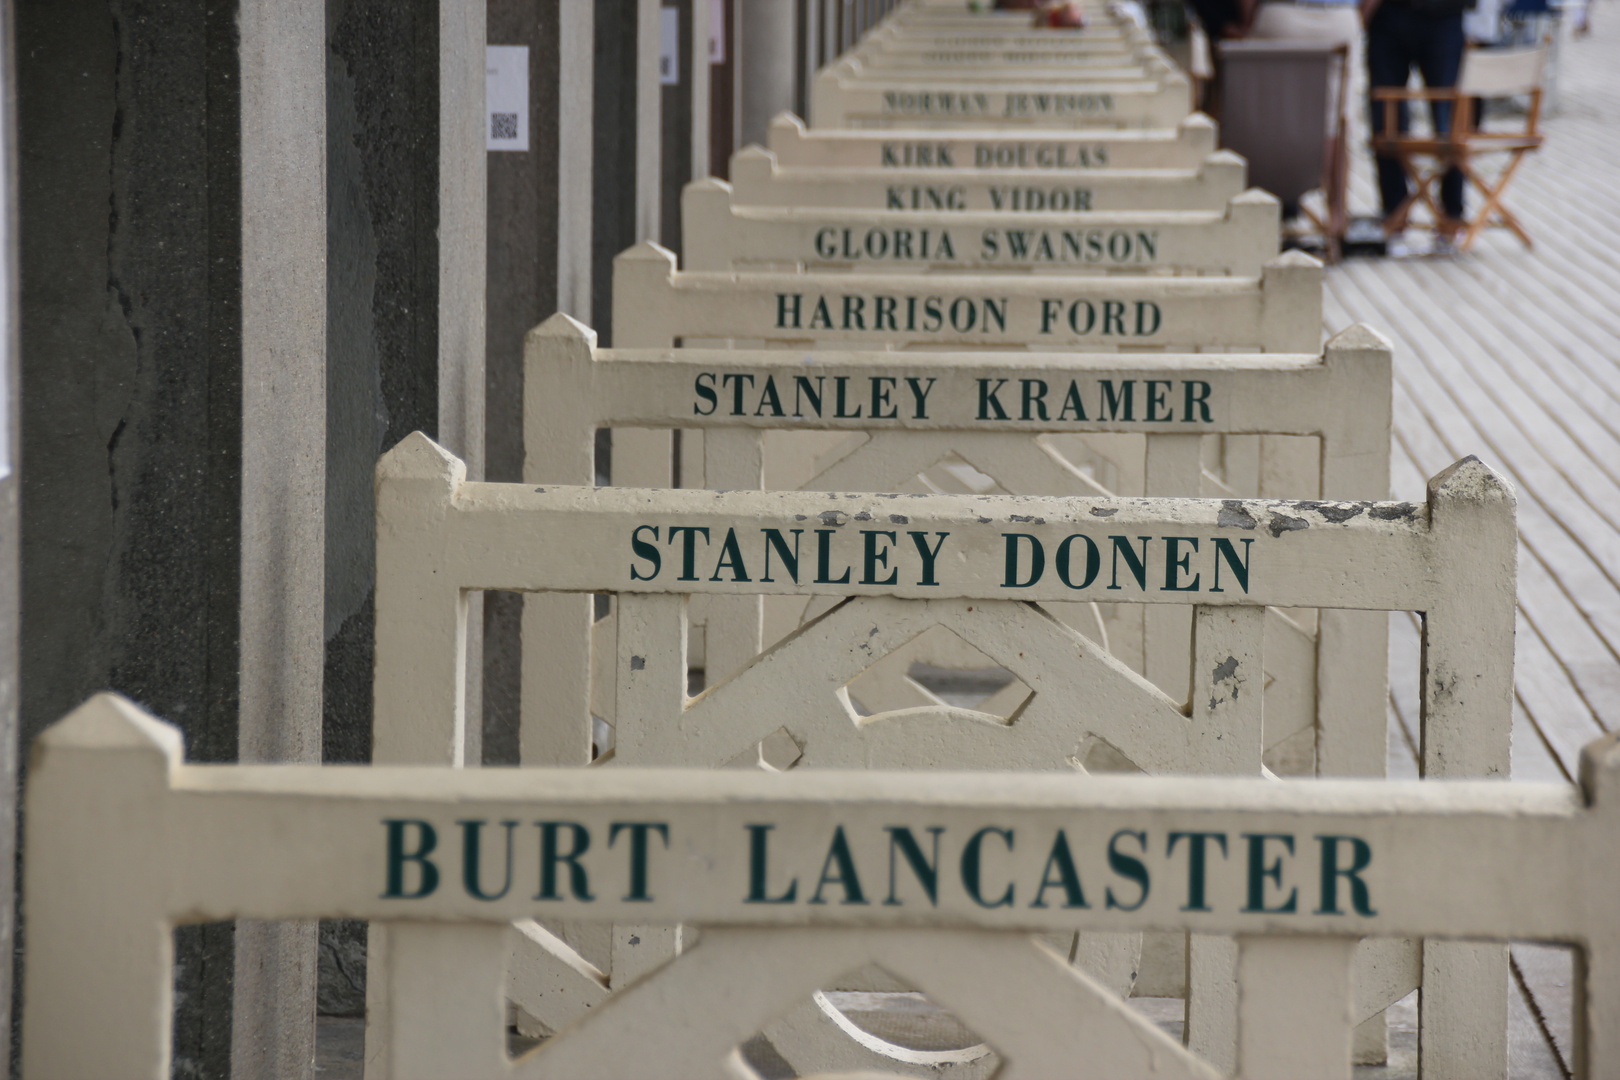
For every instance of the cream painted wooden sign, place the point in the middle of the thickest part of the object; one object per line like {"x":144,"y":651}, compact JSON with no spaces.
{"x":791,"y":880}
{"x":998,"y":187}
{"x":656,"y":305}
{"x":1148,"y":65}
{"x":439,"y":536}
{"x":941,"y":102}
{"x":1184,"y":146}
{"x":721,"y":235}
{"x":999,"y":414}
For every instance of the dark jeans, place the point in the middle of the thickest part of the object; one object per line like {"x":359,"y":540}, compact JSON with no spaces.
{"x":1398,"y":39}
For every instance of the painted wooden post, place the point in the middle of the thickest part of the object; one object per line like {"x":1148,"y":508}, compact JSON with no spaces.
{"x":112,"y":801}
{"x":1183,"y":146}
{"x":723,"y":235}
{"x":1208,"y":183}
{"x":656,"y":305}
{"x":1467,"y":731}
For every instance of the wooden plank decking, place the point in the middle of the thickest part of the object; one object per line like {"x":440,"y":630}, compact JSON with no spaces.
{"x":1514,"y":356}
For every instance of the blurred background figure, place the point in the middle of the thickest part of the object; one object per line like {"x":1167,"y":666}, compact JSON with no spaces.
{"x":1426,"y":35}
{"x":1326,"y":22}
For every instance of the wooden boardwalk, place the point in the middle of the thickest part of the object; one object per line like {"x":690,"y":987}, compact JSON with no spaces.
{"x":1514,"y":356}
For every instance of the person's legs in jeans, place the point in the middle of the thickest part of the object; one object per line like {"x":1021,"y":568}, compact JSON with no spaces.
{"x":1440,"y":61}
{"x":1389,"y":62}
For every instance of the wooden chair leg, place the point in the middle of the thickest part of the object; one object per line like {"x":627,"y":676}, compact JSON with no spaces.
{"x":1398,"y":217}
{"x":1493,"y":204}
{"x":1423,"y":187}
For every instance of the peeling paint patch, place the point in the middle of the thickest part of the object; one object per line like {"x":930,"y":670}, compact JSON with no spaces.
{"x":899,"y":519}
{"x":638,"y":663}
{"x":1027,"y":519}
{"x":1281,"y":523}
{"x":833,"y":517}
{"x":1234,"y":515}
{"x":1394,"y":512}
{"x":1337,"y":513}
{"x":864,"y":515}
{"x":1104,"y":511}
{"x":1228,"y":684}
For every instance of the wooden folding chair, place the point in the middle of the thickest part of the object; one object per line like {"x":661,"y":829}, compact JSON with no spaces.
{"x":1486,"y":73}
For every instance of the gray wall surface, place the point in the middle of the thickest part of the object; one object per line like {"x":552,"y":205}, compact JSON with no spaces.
{"x":382,"y":344}
{"x":130,"y":205}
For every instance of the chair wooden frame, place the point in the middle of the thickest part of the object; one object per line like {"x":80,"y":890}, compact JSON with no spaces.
{"x":1459,"y":147}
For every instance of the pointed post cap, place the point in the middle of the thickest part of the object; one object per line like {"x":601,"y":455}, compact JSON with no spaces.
{"x":1226,"y":157}
{"x":707,"y":183}
{"x":753,"y":154}
{"x":1292,"y":260}
{"x":1600,"y":769}
{"x":1197,"y":120}
{"x":1256,"y":197}
{"x":418,"y":457}
{"x":786,"y":120}
{"x":566,"y":327}
{"x":1470,"y":480}
{"x":110,"y":721}
{"x":648,"y":251}
{"x":1358,"y":336}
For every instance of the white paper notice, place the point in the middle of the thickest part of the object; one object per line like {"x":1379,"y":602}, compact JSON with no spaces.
{"x":506,"y":96}
{"x":669,"y":47}
{"x":717,"y":31}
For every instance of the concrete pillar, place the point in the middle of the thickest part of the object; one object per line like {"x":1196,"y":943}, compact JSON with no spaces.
{"x":283,"y":87}
{"x":463,"y":226}
{"x":626,"y":201}
{"x":723,"y":95}
{"x":684,"y":153}
{"x":697,"y":50}
{"x":766,"y":57}
{"x":576,"y":36}
{"x":807,"y":20}
{"x":463,"y":221}
{"x":10,"y":601}
{"x":130,"y":202}
{"x":539,"y":263}
{"x":406,"y":262}
{"x":649,"y":121}
{"x":676,"y":110}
